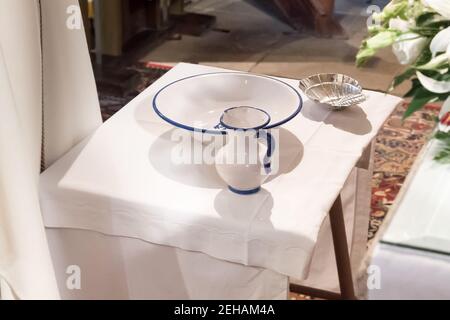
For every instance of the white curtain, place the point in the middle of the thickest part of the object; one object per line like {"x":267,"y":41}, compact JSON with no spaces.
{"x":71,"y":109}
{"x":42,"y":76}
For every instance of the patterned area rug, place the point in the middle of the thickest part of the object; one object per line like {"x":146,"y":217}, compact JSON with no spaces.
{"x":397,"y":146}
{"x":397,"y":143}
{"x":113,"y":95}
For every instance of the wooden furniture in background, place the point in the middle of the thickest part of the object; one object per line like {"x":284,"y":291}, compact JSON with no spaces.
{"x":120,"y":21}
{"x":315,"y":14}
{"x":116,"y":24}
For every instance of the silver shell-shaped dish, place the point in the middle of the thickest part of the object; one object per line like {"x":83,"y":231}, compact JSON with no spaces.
{"x":336,"y":90}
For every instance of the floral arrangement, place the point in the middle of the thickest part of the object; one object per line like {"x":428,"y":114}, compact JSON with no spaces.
{"x":419,"y":33}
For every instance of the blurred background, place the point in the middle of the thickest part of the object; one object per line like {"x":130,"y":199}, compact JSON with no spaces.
{"x":133,"y":41}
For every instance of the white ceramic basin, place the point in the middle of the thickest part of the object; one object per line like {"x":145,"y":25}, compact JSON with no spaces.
{"x":198,"y":102}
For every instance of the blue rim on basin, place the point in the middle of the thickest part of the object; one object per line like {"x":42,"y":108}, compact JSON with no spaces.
{"x":294,"y":95}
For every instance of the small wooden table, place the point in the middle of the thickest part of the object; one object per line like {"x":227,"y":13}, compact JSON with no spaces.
{"x":122,"y":183}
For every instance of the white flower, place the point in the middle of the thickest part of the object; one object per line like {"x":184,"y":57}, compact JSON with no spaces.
{"x":440,"y":6}
{"x":441,"y":41}
{"x":408,"y":47}
{"x":399,"y":24}
{"x":433,"y":85}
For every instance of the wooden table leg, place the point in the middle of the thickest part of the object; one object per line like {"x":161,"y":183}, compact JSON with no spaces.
{"x":341,"y":250}
{"x":340,"y":246}
{"x":342,"y":260}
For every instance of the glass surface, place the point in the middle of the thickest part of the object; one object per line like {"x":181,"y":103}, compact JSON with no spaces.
{"x":422,"y":218}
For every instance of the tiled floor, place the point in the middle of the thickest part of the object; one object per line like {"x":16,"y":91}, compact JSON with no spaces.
{"x":248,"y":38}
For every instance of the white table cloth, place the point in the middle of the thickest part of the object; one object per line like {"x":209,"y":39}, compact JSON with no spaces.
{"x":120,"y":182}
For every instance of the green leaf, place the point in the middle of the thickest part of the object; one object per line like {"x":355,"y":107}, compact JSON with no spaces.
{"x":436,"y":75}
{"x":363,"y":55}
{"x":402,"y":78}
{"x":382,"y":40}
{"x":425,"y":18}
{"x":374,"y":29}
{"x":442,"y":77}
{"x":443,"y":156}
{"x":438,"y":24}
{"x":421,"y":98}
{"x":443,"y":136}
{"x":395,"y":9}
{"x":371,"y":45}
{"x":417,"y":90}
{"x":415,"y":86}
{"x":431,"y":29}
{"x":425,"y":56}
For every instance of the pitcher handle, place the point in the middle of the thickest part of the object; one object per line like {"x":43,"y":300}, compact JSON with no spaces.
{"x":270,"y":141}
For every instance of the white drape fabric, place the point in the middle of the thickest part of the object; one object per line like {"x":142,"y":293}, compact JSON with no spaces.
{"x":25,"y":265}
{"x":124,"y":268}
{"x":24,"y":258}
{"x":71,"y":112}
{"x":71,"y":108}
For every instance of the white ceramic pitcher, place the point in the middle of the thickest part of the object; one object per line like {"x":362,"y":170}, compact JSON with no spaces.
{"x":244,"y":161}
